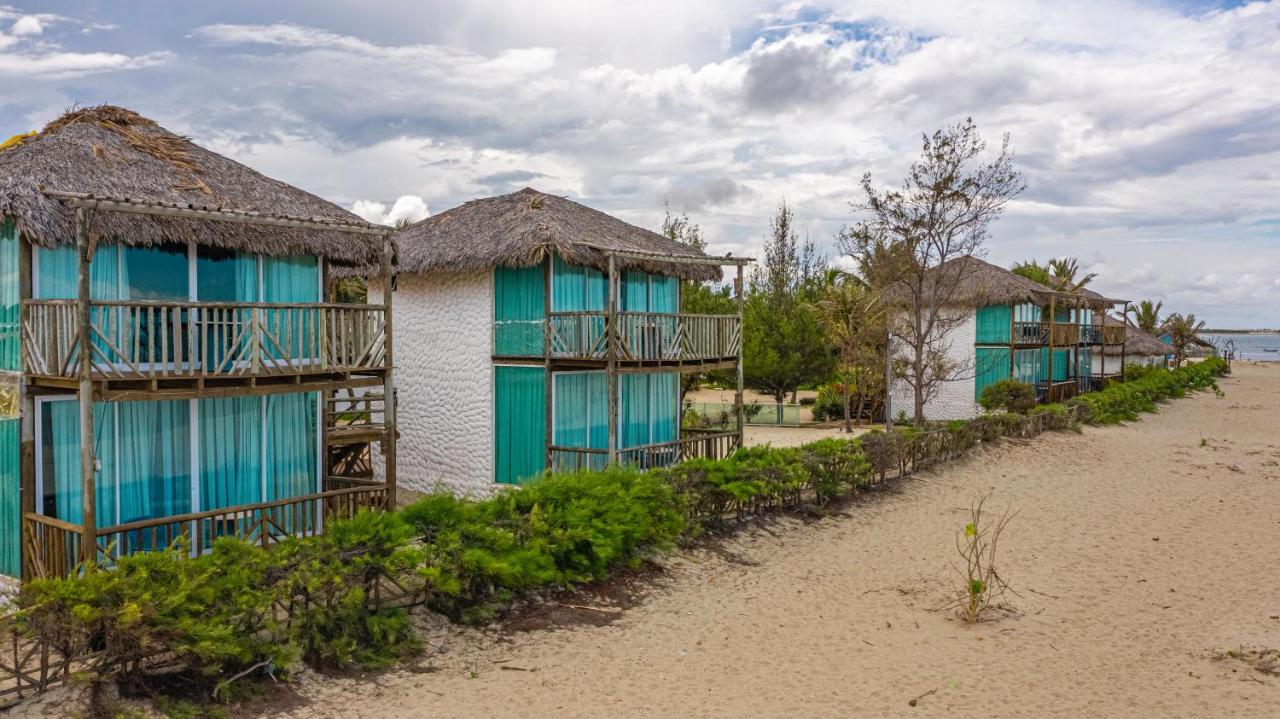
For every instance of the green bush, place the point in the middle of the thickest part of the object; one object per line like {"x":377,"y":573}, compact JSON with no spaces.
{"x":829,"y":404}
{"x":214,"y":613}
{"x":559,"y":530}
{"x":1008,"y":395}
{"x":1124,"y":401}
{"x":333,"y":581}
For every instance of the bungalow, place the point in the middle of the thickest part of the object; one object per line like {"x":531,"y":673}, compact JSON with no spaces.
{"x":1009,"y":327}
{"x":545,"y":334}
{"x":166,"y":351}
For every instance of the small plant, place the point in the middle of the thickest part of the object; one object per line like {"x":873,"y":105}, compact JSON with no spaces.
{"x":981,"y":584}
{"x":1008,"y":395}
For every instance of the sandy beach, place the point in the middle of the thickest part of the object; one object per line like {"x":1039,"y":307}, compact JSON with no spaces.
{"x":1141,"y":555}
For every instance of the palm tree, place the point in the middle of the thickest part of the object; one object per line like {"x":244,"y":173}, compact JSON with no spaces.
{"x":1058,"y":274}
{"x":1146,"y":315}
{"x":1183,"y":332}
{"x":1064,"y":271}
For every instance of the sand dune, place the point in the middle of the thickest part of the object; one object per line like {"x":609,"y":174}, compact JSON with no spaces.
{"x":1140,"y":555}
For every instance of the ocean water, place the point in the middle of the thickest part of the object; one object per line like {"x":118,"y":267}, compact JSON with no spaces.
{"x":1251,"y":347}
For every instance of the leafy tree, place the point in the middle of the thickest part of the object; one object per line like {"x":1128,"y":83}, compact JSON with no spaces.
{"x":854,"y":320}
{"x":1146,"y":315}
{"x":784,"y":345}
{"x":697,"y":298}
{"x":1184,"y":331}
{"x":942,"y":212}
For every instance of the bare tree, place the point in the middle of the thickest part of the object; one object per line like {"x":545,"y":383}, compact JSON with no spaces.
{"x":941,"y":213}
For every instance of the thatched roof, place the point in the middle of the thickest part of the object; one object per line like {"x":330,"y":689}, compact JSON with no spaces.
{"x":521,"y":228}
{"x":109,"y":151}
{"x":980,"y":284}
{"x":1136,"y":342}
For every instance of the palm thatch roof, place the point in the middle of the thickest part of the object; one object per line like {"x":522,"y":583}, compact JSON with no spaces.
{"x":978,"y":284}
{"x":110,"y":151}
{"x":1137,"y":343}
{"x":520,"y":229}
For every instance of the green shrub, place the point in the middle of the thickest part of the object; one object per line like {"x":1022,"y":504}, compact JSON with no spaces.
{"x":559,"y":530}
{"x":214,"y":613}
{"x":834,"y":466}
{"x":1124,"y":401}
{"x":1008,"y":395}
{"x":333,"y":582}
{"x":829,"y":404}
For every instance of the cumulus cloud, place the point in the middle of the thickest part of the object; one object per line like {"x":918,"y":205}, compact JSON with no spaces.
{"x":407,"y":209}
{"x":26,"y":52}
{"x":1147,"y":131}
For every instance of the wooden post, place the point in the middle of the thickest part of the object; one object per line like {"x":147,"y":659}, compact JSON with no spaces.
{"x":388,"y":377}
{"x":88,"y":492}
{"x":1053,"y":316}
{"x":547,"y":378}
{"x":27,"y":461}
{"x":1123,"y":325}
{"x":738,"y":408}
{"x":611,"y":328}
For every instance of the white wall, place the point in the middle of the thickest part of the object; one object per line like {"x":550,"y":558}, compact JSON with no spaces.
{"x":1110,"y":364}
{"x":954,"y":399}
{"x":444,"y":379}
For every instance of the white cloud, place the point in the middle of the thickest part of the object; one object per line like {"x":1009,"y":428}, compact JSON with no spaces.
{"x":407,"y":209}
{"x":62,"y":65}
{"x":27,"y":25}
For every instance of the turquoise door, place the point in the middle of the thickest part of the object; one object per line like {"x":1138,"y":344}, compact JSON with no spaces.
{"x":518,"y":311}
{"x":519,"y":423}
{"x":991,"y":366}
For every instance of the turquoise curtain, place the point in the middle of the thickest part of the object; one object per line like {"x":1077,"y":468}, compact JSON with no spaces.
{"x":155,"y":459}
{"x":225,"y":276}
{"x":292,"y":448}
{"x":10,"y":330}
{"x":991,"y":364}
{"x":581,"y":410}
{"x":10,"y":498}
{"x":664,"y":294}
{"x":633,"y":410}
{"x":62,"y":442}
{"x":664,"y":406}
{"x":230,"y":451}
{"x":993,"y":324}
{"x":518,"y":312}
{"x":519,"y":423}
{"x":1026,"y":366}
{"x":635,"y":291}
{"x":290,"y":280}
{"x":577,"y":289}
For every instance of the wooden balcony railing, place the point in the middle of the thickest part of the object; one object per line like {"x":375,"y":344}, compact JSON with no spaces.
{"x":160,"y":340}
{"x":693,"y":443}
{"x":1113,"y":334}
{"x":1050,"y":392}
{"x":1062,"y":334}
{"x":53,"y":546}
{"x":644,"y":336}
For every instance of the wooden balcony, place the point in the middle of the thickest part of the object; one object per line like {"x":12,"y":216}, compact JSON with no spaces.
{"x":1050,"y":392}
{"x":194,"y":343}
{"x":693,"y":443}
{"x":53,"y":548}
{"x":644,"y":338}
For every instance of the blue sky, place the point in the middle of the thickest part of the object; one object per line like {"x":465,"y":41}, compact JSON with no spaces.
{"x":1149,"y":133}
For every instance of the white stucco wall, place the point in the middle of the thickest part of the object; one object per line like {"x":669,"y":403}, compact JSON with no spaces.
{"x":1110,"y":364}
{"x":954,"y":399}
{"x":443,"y":325}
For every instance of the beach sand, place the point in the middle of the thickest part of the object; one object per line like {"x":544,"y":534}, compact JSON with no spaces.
{"x":1140,"y":555}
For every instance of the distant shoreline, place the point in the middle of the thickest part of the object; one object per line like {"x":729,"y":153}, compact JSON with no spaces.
{"x":1240,"y":332}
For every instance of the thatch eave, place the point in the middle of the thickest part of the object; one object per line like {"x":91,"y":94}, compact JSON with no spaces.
{"x":113,"y":152}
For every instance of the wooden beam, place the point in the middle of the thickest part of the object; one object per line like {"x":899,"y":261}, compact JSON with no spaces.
{"x":611,"y":369}
{"x":27,"y":461}
{"x":676,"y":259}
{"x":738,"y":408}
{"x":88,"y":493}
{"x":127,"y":206}
{"x":388,"y":379}
{"x":548,"y":410}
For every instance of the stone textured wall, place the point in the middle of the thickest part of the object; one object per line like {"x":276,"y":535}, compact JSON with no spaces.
{"x":444,"y":379}
{"x":954,"y":400}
